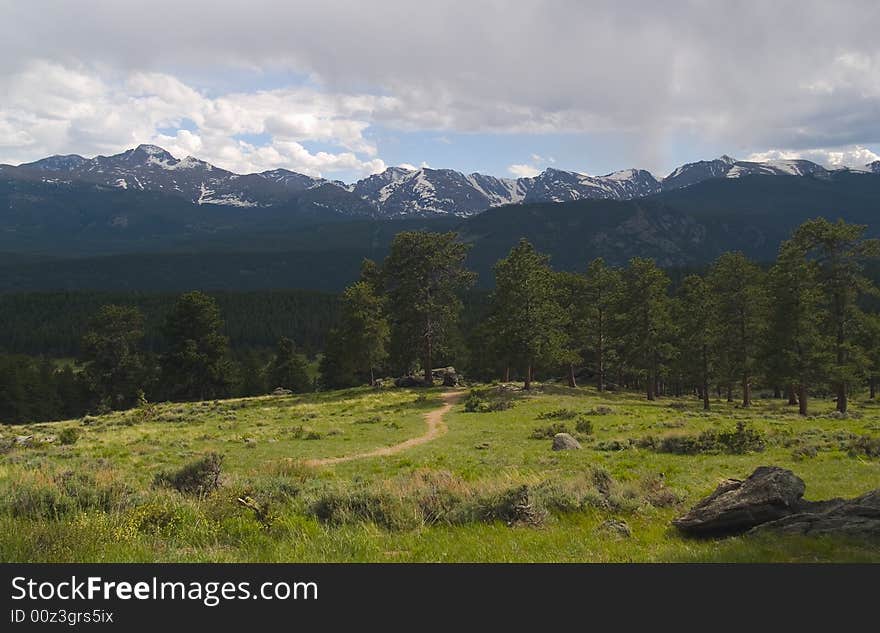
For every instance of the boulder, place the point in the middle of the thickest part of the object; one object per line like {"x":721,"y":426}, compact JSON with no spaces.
{"x":565,"y":442}
{"x":24,"y":440}
{"x":858,"y":518}
{"x":281,"y":391}
{"x":768,"y":494}
{"x":409,"y":381}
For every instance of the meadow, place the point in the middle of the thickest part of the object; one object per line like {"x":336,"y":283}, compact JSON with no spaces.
{"x":116,"y":487}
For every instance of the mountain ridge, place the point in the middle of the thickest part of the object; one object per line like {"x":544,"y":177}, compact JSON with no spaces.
{"x":394,"y":193}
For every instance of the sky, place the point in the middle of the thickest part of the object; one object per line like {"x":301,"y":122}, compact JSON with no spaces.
{"x":342,"y":89}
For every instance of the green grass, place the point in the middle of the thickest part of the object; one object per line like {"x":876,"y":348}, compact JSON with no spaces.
{"x":452,"y":499}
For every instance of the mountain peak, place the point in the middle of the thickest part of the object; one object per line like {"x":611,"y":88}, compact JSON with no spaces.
{"x":151,"y":150}
{"x":874,"y":167}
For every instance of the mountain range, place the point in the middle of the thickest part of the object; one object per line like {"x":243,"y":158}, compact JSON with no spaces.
{"x":143,"y":220}
{"x":396,"y":192}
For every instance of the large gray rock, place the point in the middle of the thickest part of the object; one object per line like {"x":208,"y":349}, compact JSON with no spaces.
{"x":859,"y":517}
{"x":565,"y":442}
{"x":409,"y":381}
{"x":768,"y":494}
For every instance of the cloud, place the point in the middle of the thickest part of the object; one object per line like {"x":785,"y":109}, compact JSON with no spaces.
{"x":49,"y":108}
{"x":743,"y":76}
{"x":523,"y":171}
{"x":411,"y":167}
{"x":851,"y":156}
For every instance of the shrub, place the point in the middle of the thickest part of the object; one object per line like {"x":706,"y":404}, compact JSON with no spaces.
{"x":807,"y":451}
{"x":513,"y":506}
{"x":615,"y":445}
{"x":601,"y":410}
{"x":339,"y":507}
{"x":743,"y":439}
{"x":477,"y":404}
{"x":196,"y":478}
{"x":557,"y":414}
{"x":68,"y":436}
{"x":865,"y":445}
{"x":374,"y":419}
{"x":473,"y":403}
{"x":41,"y":496}
{"x":545,"y":432}
{"x":584,"y":426}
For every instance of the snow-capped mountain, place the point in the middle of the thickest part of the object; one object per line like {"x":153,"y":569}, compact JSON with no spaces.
{"x":400,"y":192}
{"x":554,"y":185}
{"x":396,"y":192}
{"x":151,"y":168}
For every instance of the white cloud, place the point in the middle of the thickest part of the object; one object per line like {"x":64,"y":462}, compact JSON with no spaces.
{"x":49,"y":109}
{"x":523,"y":171}
{"x":851,"y":156}
{"x":650,"y":77}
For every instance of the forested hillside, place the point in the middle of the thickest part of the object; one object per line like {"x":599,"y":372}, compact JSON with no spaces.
{"x":80,"y":247}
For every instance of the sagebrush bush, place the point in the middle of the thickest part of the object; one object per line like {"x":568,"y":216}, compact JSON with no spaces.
{"x":583,"y":426}
{"x":743,"y":439}
{"x":557,"y":414}
{"x":475,"y":403}
{"x":865,"y":445}
{"x":68,"y":436}
{"x":200,"y":477}
{"x":545,"y":432}
{"x":43,"y":495}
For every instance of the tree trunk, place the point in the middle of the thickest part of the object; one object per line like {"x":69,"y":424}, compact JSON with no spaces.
{"x":572,"y":379}
{"x":507,"y":374}
{"x":652,"y":385}
{"x":528,"y":381}
{"x":873,"y":387}
{"x":429,"y":373}
{"x":841,"y":397}
{"x":777,"y":392}
{"x":802,"y":399}
{"x":729,"y":392}
{"x":747,"y":391}
{"x":372,"y":377}
{"x":600,"y":373}
{"x":792,"y":395}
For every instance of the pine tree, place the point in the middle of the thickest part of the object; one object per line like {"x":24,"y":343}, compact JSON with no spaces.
{"x":602,"y":287}
{"x":424,"y":274}
{"x":643,"y":321}
{"x":526,"y":309}
{"x":696,"y":310}
{"x":114,"y":367}
{"x":737,"y":285}
{"x":196,"y":365}
{"x":797,"y":351}
{"x":839,"y":251}
{"x":288,"y":368}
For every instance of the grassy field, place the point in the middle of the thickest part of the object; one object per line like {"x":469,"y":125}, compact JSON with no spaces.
{"x":484,"y":491}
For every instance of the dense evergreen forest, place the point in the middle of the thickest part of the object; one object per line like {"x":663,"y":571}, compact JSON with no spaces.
{"x":804,"y":325}
{"x":53,"y":323}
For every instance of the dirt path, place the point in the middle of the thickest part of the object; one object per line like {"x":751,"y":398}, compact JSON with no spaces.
{"x":436,"y":428}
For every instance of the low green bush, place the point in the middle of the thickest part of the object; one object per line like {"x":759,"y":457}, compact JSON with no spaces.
{"x":200,"y":477}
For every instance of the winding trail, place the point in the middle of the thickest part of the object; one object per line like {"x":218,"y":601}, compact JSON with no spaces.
{"x":436,"y":428}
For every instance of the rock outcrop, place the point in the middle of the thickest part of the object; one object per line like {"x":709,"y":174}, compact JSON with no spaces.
{"x":771,"y":500}
{"x":768,"y":494}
